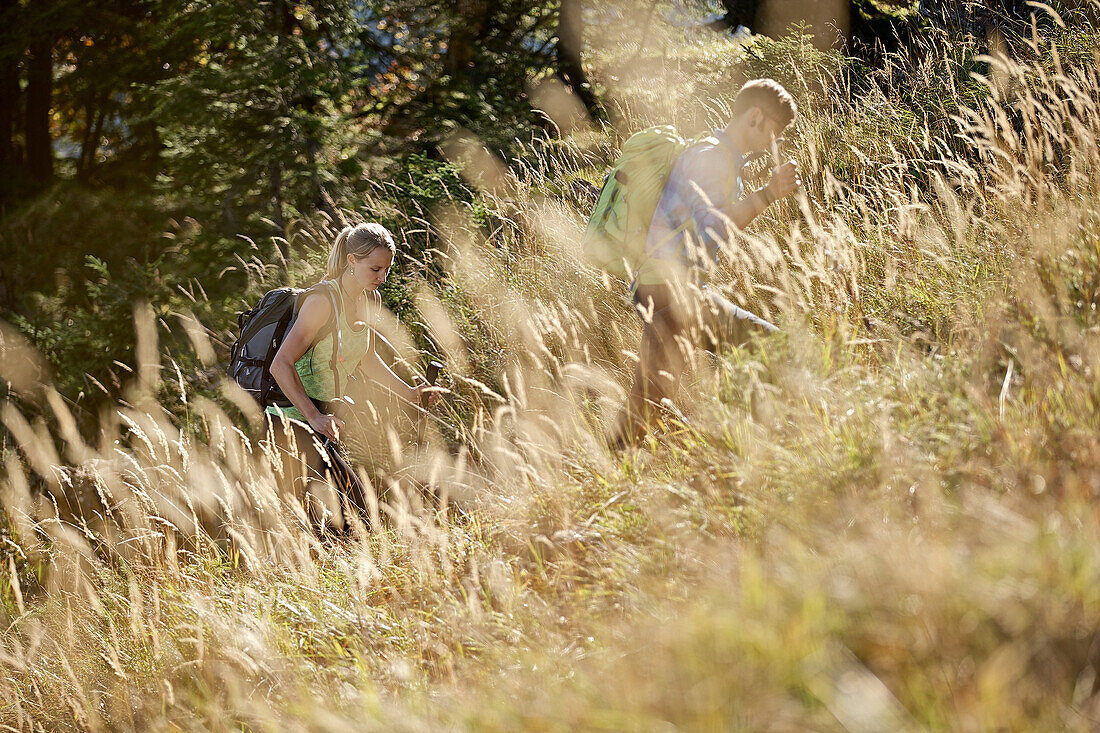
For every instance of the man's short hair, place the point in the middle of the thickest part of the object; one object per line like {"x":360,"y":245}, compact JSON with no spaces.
{"x":770,"y":96}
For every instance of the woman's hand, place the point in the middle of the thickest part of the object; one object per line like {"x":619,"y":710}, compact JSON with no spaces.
{"x":426,"y":394}
{"x":327,"y":425}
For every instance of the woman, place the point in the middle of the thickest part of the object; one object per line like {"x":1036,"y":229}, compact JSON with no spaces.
{"x":310,"y":372}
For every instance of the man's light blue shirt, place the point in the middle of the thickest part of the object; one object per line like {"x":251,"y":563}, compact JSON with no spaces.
{"x":705,"y":182}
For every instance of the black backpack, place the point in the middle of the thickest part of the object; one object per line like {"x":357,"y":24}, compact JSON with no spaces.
{"x":262,"y":330}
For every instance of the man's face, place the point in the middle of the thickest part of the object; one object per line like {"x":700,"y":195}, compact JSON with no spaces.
{"x":763,"y":130}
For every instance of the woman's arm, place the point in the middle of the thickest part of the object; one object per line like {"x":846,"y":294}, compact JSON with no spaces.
{"x":380,"y":372}
{"x":375,"y":369}
{"x":314,"y":314}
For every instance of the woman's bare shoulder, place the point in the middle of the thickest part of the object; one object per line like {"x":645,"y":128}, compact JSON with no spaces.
{"x":317,"y":307}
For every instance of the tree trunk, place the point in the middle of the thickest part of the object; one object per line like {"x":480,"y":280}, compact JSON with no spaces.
{"x":9,"y":97}
{"x":277,"y":209}
{"x":283,"y":19}
{"x":37,"y":125}
{"x":85,"y":144}
{"x":738,"y":12}
{"x":570,"y":45}
{"x":12,"y":48}
{"x":97,"y":132}
{"x":471,"y":23}
{"x":320,"y":197}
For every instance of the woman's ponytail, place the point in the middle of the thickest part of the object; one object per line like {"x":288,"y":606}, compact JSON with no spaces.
{"x":337,"y":259}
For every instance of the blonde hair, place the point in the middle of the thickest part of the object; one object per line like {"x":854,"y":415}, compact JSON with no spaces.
{"x":359,"y":240}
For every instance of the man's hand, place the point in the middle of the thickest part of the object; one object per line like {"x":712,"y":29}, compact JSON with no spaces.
{"x":785,"y":179}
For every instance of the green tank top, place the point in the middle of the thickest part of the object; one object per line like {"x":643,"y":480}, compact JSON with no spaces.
{"x":315,"y":367}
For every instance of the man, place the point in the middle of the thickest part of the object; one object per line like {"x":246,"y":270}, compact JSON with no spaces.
{"x":703,"y":201}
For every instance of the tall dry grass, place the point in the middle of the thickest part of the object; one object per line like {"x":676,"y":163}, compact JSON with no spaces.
{"x":882,"y":519}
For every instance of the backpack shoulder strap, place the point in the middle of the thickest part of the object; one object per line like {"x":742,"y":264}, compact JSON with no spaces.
{"x":722,"y":140}
{"x":332,"y":289}
{"x":337,"y":341}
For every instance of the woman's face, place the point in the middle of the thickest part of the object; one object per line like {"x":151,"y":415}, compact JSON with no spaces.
{"x":371,"y":271}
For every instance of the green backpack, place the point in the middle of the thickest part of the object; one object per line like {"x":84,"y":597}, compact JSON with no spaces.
{"x":616,"y":235}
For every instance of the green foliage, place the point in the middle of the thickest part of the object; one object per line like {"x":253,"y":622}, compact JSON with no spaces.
{"x":91,"y":342}
{"x":246,"y":126}
{"x":463,"y":66}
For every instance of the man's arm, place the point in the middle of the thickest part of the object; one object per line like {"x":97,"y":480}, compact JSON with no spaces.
{"x":704,"y":181}
{"x":784,"y":180}
{"x":698,"y":194}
